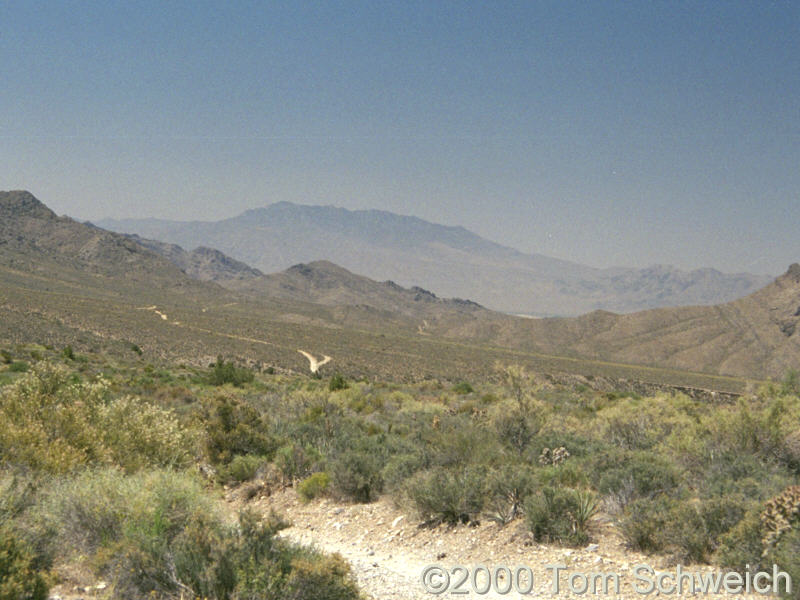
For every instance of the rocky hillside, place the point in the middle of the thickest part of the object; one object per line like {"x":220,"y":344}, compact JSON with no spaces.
{"x":756,"y":336}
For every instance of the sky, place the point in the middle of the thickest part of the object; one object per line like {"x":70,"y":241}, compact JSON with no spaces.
{"x":608,"y":133}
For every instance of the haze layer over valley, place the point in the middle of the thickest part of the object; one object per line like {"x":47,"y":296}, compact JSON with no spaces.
{"x":450,"y":261}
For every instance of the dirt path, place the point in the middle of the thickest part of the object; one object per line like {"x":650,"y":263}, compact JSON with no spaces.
{"x":388,"y":551}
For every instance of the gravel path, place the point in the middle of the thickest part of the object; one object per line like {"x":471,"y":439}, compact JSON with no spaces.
{"x":387,"y":551}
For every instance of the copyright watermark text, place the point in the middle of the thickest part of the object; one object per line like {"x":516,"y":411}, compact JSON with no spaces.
{"x":557,"y":578}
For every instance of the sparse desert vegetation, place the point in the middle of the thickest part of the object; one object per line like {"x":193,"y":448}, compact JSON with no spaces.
{"x":122,"y":464}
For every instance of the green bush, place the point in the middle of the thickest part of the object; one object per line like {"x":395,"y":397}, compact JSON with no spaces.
{"x":68,"y":353}
{"x":235,"y":427}
{"x":20,"y":577}
{"x":451,"y":496}
{"x":692,"y":530}
{"x":6,"y":357}
{"x":242,"y":468}
{"x":18,"y":366}
{"x":561,"y":515}
{"x":786,"y":554}
{"x":223,"y":372}
{"x":314,"y":486}
{"x":463,"y":388}
{"x":568,"y":474}
{"x":337,"y":382}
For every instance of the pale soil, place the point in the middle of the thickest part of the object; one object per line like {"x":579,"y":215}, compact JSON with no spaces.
{"x":387,"y":550}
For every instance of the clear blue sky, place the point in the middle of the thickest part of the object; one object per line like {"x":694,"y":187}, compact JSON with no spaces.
{"x":610,"y":133}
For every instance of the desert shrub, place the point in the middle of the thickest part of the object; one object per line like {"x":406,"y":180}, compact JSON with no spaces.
{"x":20,"y":576}
{"x":6,"y":357}
{"x":52,"y":424}
{"x":561,"y":515}
{"x":741,"y":545}
{"x":725,"y":469}
{"x":96,"y":507}
{"x":643,"y":523}
{"x":626,"y":476}
{"x":336,"y":383}
{"x":242,"y":468}
{"x":401,"y":467}
{"x":158,"y":535}
{"x":448,"y":495}
{"x":747,"y":430}
{"x":692,"y":530}
{"x":296,"y":461}
{"x":18,"y":366}
{"x":463,"y":388}
{"x":507,"y":489}
{"x":68,"y":353}
{"x":689,"y":529}
{"x":633,"y":430}
{"x":223,"y":372}
{"x":579,"y":445}
{"x":515,"y":430}
{"x":790,"y":384}
{"x":139,"y":434}
{"x":356,"y":475}
{"x":314,"y":486}
{"x":325,"y":578}
{"x":567,"y":474}
{"x":786,"y":554}
{"x":235,"y":427}
{"x":462,"y":442}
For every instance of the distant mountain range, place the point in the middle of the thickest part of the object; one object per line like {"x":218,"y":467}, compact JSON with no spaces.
{"x":62,"y":280}
{"x":451,"y":261}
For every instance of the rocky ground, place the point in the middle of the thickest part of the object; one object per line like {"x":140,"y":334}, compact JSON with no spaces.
{"x":388,"y":550}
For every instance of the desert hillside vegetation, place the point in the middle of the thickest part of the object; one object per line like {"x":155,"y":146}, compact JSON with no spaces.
{"x":113,"y":471}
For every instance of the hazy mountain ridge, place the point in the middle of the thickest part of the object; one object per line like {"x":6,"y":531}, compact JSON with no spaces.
{"x":450,"y":260}
{"x":319,"y":282}
{"x":57,"y":275}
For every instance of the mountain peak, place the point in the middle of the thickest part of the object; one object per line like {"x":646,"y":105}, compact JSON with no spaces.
{"x":792,"y":273}
{"x":21,"y":203}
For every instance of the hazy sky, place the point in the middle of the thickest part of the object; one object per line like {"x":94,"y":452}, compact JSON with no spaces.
{"x":608,"y":133}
